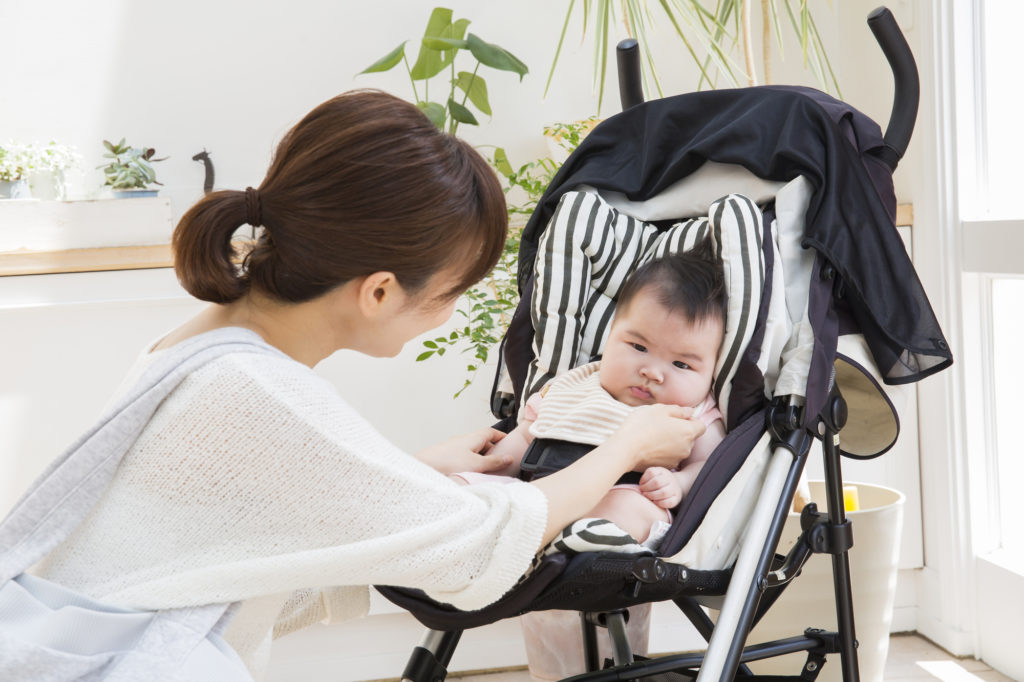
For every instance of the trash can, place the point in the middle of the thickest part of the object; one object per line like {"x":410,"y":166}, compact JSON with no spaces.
{"x":809,"y":601}
{"x":554,"y":642}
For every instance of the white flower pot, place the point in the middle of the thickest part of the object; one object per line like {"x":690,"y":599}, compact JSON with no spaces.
{"x":61,"y":225}
{"x":15,"y":189}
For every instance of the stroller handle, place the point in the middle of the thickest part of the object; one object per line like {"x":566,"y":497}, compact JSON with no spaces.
{"x":906,"y":95}
{"x":627,"y":55}
{"x":906,"y":84}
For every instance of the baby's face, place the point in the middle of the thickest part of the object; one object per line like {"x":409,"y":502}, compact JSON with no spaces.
{"x":656,"y":356}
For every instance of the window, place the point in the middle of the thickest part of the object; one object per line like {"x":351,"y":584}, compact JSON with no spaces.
{"x":983,"y":566}
{"x":992,"y":221}
{"x":1001,"y":100}
{"x":1008,"y":395}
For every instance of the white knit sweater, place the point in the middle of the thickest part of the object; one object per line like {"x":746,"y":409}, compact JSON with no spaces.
{"x":256,"y":483}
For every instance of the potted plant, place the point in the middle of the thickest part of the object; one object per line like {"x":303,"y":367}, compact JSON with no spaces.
{"x":710,"y":33}
{"x":16,"y":162}
{"x":130,"y":173}
{"x":487,"y":308}
{"x":51,"y":162}
{"x":442,"y":41}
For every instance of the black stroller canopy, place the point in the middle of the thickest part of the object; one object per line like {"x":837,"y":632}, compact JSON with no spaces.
{"x":777,"y":133}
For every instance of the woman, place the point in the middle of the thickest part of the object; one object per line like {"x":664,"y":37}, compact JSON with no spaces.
{"x":254,"y":482}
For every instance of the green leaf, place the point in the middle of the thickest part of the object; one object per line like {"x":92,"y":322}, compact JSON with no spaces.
{"x":387,"y":62}
{"x":434,"y":111}
{"x":423,"y":356}
{"x":442,"y":44}
{"x":502,"y":164}
{"x":430,"y":62}
{"x":561,"y":39}
{"x":461,"y":113}
{"x":476,"y":88}
{"x":495,"y":57}
{"x":430,"y":344}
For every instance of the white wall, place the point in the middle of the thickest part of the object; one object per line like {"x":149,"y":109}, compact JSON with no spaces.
{"x":232,"y":76}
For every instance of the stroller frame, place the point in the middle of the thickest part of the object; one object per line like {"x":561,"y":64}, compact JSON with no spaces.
{"x":762,"y":573}
{"x":767,"y":575}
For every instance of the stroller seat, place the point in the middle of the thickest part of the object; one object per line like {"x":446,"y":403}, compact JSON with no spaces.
{"x":592,"y":264}
{"x":812,"y":262}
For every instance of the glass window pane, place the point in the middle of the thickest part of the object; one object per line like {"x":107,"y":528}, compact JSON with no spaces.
{"x":1008,"y":330}
{"x":1004,"y":102}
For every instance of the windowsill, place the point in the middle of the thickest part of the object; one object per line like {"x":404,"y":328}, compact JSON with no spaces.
{"x":1009,"y":561}
{"x":31,"y":262}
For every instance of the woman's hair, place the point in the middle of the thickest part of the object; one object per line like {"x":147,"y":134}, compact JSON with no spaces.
{"x":364,"y":183}
{"x":690,"y":283}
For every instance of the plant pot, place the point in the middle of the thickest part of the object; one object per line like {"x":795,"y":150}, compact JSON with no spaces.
{"x":809,"y":600}
{"x":48,"y":185}
{"x":15,"y":189}
{"x":134,"y":193}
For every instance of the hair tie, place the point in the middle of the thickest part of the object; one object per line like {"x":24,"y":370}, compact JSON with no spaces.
{"x":253,"y":209}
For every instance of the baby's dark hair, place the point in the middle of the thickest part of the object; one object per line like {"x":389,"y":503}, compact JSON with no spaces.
{"x":691,"y":283}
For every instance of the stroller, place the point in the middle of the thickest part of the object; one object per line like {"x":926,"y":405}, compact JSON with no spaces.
{"x":794,"y":190}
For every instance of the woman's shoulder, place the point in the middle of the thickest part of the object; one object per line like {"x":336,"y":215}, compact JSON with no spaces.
{"x":260,"y":371}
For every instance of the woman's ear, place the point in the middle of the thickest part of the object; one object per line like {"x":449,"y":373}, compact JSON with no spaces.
{"x":378,"y":293}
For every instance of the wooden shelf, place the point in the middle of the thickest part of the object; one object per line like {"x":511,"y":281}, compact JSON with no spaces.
{"x":156,"y":256}
{"x":904,"y":215}
{"x":85,"y":260}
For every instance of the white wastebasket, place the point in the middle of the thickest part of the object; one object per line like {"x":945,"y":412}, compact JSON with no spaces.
{"x":809,"y":600}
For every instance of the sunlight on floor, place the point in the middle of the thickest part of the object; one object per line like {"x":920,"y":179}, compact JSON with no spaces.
{"x":947,"y":671}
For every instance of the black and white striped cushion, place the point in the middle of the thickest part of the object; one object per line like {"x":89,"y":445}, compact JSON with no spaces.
{"x":589,"y":249}
{"x":594,"y":535}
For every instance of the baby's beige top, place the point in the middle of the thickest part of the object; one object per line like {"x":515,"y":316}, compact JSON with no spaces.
{"x":577,"y":409}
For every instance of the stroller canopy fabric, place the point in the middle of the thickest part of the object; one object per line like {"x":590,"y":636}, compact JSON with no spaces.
{"x":777,"y":133}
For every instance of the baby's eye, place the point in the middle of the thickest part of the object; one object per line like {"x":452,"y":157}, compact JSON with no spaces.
{"x":637,"y":346}
{"x":681,"y":365}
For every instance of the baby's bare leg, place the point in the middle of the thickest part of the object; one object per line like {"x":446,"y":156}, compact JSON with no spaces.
{"x":629,"y":510}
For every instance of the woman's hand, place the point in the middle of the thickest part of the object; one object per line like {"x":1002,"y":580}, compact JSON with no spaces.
{"x":659,"y":435}
{"x":651,"y":436}
{"x":660,"y":486}
{"x":468,"y":452}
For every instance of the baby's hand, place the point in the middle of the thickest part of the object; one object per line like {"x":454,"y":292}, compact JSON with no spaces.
{"x":659,"y":485}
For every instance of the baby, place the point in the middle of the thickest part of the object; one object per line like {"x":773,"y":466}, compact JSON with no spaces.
{"x":662,"y":348}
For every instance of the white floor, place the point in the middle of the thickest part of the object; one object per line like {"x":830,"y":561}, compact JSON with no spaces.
{"x":911,"y":659}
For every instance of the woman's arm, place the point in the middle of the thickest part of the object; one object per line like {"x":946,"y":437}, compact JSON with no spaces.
{"x":480,"y":451}
{"x":504,"y":452}
{"x":651,"y":436}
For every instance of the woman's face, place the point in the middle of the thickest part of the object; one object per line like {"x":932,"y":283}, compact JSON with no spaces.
{"x":654,"y":355}
{"x":414,"y":315}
